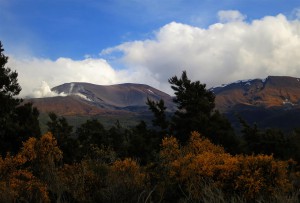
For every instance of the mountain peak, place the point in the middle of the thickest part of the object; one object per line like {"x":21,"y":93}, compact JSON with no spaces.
{"x":86,"y":97}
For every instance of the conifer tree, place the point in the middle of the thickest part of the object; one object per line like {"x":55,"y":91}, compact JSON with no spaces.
{"x":195,"y":112}
{"x":195,"y":105}
{"x":62,"y":132}
{"x":9,"y":88}
{"x":17,"y":122}
{"x":160,"y":120}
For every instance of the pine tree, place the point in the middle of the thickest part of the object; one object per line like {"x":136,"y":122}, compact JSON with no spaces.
{"x":195,"y":105}
{"x":195,"y":112}
{"x":17,"y":122}
{"x":160,"y":119}
{"x":62,"y":132}
{"x":9,"y":88}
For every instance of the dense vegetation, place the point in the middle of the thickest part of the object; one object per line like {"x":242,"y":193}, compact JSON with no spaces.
{"x":192,"y":156}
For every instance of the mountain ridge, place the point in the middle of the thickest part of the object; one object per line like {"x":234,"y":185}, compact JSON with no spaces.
{"x":270,"y":102}
{"x":77,"y":98}
{"x":273,"y":102}
{"x":272,"y":92}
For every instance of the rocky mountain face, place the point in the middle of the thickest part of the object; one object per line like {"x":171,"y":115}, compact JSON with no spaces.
{"x":270,"y":102}
{"x":90,"y":99}
{"x":272,"y":92}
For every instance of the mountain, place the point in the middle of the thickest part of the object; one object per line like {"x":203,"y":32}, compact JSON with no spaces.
{"x":272,"y":92}
{"x":89,"y":99}
{"x":270,"y":102}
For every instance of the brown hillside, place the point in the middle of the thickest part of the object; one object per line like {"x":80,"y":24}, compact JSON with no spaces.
{"x":70,"y":106}
{"x":90,"y":99}
{"x":273,"y":92}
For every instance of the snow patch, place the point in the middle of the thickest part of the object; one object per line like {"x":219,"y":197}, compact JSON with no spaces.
{"x":223,"y":85}
{"x":82,"y":96}
{"x":245,"y":82}
{"x":264,"y":80}
{"x":150,"y":91}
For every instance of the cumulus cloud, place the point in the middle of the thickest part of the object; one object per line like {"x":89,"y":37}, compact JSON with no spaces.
{"x":226,"y":16}
{"x":222,"y":53}
{"x":38,"y":76}
{"x":229,"y":50}
{"x":47,"y":73}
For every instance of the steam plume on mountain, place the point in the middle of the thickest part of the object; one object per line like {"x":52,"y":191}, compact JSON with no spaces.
{"x":44,"y":91}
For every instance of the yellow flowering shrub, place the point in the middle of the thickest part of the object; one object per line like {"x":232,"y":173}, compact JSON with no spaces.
{"x":44,"y":150}
{"x":169,"y":149}
{"x":200,"y":162}
{"x":17,"y":184}
{"x":79,"y":180}
{"x":198,"y":144}
{"x":128,"y":173}
{"x":127,"y":180}
{"x":27,"y":187}
{"x":261,"y":174}
{"x":30,"y":174}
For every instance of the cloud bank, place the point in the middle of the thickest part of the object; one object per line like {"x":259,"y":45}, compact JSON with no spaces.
{"x":38,"y":76}
{"x":221,"y":53}
{"x":229,"y":50}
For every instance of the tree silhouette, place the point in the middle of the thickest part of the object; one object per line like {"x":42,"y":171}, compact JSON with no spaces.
{"x":196,"y":112}
{"x":91,"y":133}
{"x":62,"y":132}
{"x":17,"y":122}
{"x":194,"y":104}
{"x":160,"y":120}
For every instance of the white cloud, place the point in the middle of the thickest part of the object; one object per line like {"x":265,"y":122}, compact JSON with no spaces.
{"x":38,"y":76}
{"x":33,"y":72}
{"x":230,"y":16}
{"x":222,"y":53}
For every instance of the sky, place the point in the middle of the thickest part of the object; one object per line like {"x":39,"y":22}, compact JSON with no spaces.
{"x":51,"y":42}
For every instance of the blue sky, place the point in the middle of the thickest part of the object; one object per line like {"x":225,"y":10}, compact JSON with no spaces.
{"x":74,"y":28}
{"x":42,"y":36}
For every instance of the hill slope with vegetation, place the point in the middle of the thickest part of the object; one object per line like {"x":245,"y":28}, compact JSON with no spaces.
{"x":273,"y":102}
{"x":191,"y":156}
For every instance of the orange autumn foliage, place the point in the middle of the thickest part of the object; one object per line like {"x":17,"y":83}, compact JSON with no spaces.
{"x":200,"y":162}
{"x":44,"y":150}
{"x":19,"y":181}
{"x":23,"y":185}
{"x":80,"y":180}
{"x":187,"y":171}
{"x":127,"y":173}
{"x":261,"y":174}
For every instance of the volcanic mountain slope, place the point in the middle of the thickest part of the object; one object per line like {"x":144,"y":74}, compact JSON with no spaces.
{"x":272,"y":92}
{"x":270,"y":102}
{"x":90,"y":99}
